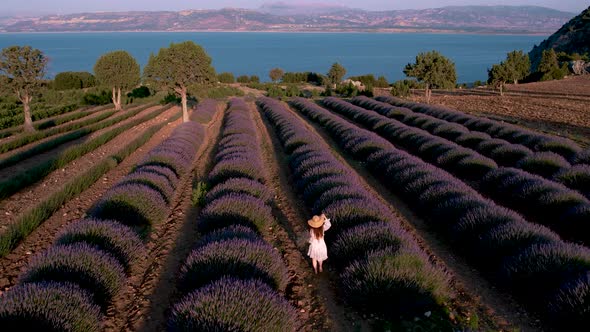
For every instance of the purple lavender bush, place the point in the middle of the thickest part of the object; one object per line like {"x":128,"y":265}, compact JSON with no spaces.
{"x":90,"y":268}
{"x":241,"y":186}
{"x":114,"y":238}
{"x":235,"y":209}
{"x":234,"y":305}
{"x":54,"y":307}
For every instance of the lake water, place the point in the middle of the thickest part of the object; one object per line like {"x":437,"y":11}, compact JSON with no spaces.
{"x":257,"y":53}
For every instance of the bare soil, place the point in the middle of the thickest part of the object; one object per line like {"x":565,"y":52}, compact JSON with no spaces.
{"x":12,"y":265}
{"x":475,"y":297}
{"x":14,"y":205}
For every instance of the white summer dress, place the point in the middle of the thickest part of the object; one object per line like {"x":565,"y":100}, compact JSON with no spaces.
{"x":317,"y":247}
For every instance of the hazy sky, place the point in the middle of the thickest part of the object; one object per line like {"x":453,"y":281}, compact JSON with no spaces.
{"x":74,"y":6}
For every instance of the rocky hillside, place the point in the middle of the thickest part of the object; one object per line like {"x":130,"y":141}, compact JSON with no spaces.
{"x":478,"y":19}
{"x":572,"y":37}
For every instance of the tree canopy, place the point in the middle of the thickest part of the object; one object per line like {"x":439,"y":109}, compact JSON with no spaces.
{"x":177,"y":67}
{"x":226,"y":78}
{"x":517,"y":66}
{"x":24,"y":69}
{"x":434,"y":70}
{"x":117,"y":70}
{"x":549,"y":68}
{"x":73,"y":80}
{"x":498,"y":76}
{"x":276,"y":74}
{"x":336,"y":73}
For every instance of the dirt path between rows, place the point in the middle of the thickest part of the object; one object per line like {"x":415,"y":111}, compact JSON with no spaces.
{"x":290,"y":236}
{"x":43,"y":236}
{"x":495,"y":310}
{"x":150,"y":292}
{"x":327,"y":302}
{"x":16,"y":204}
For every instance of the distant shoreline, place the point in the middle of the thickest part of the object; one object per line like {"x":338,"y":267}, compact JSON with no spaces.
{"x":382,"y":31}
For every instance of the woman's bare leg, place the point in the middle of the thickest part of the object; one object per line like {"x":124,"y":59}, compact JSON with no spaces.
{"x":321,"y":262}
{"x":314,"y":262}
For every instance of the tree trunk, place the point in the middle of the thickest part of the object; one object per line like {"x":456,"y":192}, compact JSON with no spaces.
{"x":116,"y":100}
{"x":119,"y":98}
{"x":515,"y":82}
{"x":184,"y":107}
{"x":428,"y":93}
{"x":26,"y":100}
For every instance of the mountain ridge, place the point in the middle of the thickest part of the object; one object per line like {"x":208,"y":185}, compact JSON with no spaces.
{"x":477,"y":19}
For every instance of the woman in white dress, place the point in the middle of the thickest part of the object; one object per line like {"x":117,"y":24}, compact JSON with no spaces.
{"x":317,"y":246}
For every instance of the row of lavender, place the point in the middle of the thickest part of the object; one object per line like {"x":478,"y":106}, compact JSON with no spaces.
{"x":531,"y":261}
{"x":70,"y":286}
{"x":545,"y":202}
{"x":514,"y":134}
{"x":381,"y":268}
{"x":232,"y":279}
{"x":547,"y":164}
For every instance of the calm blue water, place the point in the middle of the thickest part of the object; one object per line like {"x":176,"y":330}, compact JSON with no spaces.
{"x":257,"y":53}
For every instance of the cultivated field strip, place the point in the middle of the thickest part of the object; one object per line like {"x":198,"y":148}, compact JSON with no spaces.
{"x":233,"y":277}
{"x":542,"y":201}
{"x":43,"y":145}
{"x":549,"y":165}
{"x":381,"y":269}
{"x":80,"y":177}
{"x":22,"y":176}
{"x":78,"y":277}
{"x":533,"y":263}
{"x":509,"y":132}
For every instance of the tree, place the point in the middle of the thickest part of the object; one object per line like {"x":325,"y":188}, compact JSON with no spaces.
{"x":498,"y":76}
{"x":434,"y":70}
{"x":117,"y":70}
{"x":517,"y":66}
{"x":254,"y":79}
{"x":73,"y":80}
{"x":226,"y":78}
{"x":179,"y":66}
{"x":336,"y":74}
{"x":24,"y":68}
{"x":243,"y":79}
{"x":381,"y":82}
{"x":549,"y":68}
{"x":276,"y":74}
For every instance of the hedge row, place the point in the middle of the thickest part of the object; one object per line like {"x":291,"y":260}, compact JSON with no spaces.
{"x":233,"y":280}
{"x":77,"y":278}
{"x":528,"y":260}
{"x":381,"y":269}
{"x":26,"y":177}
{"x":568,"y":208}
{"x":514,"y":134}
{"x":17,"y":117}
{"x":549,"y":165}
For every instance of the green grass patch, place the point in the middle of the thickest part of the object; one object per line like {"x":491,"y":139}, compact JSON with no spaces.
{"x":35,"y":216}
{"x":33,"y":174}
{"x":52,"y":144}
{"x":200,"y":190}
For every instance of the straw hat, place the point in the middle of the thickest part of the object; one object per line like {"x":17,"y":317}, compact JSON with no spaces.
{"x":316,"y":221}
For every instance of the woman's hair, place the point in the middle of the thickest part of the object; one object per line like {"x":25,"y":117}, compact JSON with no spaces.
{"x":318,"y":233}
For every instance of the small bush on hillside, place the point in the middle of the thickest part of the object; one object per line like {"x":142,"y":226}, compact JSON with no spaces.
{"x":102,"y":98}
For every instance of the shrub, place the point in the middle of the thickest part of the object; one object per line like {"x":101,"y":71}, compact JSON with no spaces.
{"x":141,"y":92}
{"x":234,"y":305}
{"x":315,"y":189}
{"x":352,"y":212}
{"x":509,"y":155}
{"x":577,"y":178}
{"x":73,"y":80}
{"x":226,"y":78}
{"x":472,"y":139}
{"x":131,"y":204}
{"x":91,"y":269}
{"x":102,"y":98}
{"x":545,"y":164}
{"x":51,"y":306}
{"x":238,"y":258}
{"x":233,"y":168}
{"x":157,"y":182}
{"x":229,"y":233}
{"x":159,"y":170}
{"x":570,"y":305}
{"x":337,"y":194}
{"x":239,"y":209}
{"x":241,"y":186}
{"x":383,"y":283}
{"x":118,"y":240}
{"x":583,"y":157}
{"x":358,"y":242}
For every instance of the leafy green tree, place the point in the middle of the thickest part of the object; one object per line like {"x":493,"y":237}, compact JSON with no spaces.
{"x":117,"y":70}
{"x":243,"y":79}
{"x":434,"y":70}
{"x":498,"y":75}
{"x":179,"y":66}
{"x":276,"y":74}
{"x":518,"y":66}
{"x":336,"y":74}
{"x":400,"y":88}
{"x":254,"y":79}
{"x":549,"y":66}
{"x":73,"y":80}
{"x":381,"y":82}
{"x":226,"y":77}
{"x":23,"y":68}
